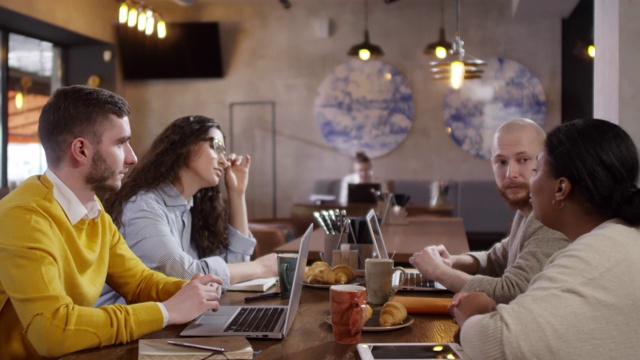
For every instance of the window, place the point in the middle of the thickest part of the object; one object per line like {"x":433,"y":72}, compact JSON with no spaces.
{"x":34,"y":72}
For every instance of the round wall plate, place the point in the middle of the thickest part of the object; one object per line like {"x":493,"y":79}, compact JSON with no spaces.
{"x":507,"y":90}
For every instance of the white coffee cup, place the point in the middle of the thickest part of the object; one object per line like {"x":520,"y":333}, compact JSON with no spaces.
{"x":378,"y":277}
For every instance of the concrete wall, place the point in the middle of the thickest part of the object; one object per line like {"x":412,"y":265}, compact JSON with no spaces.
{"x":273,"y":54}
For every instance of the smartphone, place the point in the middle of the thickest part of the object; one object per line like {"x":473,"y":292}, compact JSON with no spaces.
{"x":402,"y":351}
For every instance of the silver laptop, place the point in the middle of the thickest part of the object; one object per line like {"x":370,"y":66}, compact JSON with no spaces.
{"x":413,"y":281}
{"x":268,"y":322}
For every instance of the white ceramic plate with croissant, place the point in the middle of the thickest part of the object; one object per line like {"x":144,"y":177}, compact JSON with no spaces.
{"x":355,"y":281}
{"x":373,"y":324}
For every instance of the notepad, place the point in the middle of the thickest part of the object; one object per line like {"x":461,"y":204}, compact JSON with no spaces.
{"x":256,"y":285}
{"x":237,"y":347}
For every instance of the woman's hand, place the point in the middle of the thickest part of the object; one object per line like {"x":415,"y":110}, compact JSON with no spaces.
{"x":237,"y":173}
{"x":466,"y":305}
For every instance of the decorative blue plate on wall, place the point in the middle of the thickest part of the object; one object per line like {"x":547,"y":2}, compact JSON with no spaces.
{"x":506,"y":90}
{"x":364,"y":105}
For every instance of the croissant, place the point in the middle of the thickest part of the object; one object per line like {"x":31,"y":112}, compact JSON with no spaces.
{"x":344,"y":273}
{"x":369,"y":312}
{"x":313,"y":268}
{"x":392,"y":313}
{"x":322,"y":276}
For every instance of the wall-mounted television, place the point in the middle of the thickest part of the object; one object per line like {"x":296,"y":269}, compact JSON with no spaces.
{"x":190,"y":50}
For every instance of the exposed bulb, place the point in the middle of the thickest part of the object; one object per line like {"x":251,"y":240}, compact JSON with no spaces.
{"x":150,"y":23}
{"x":122,"y":14}
{"x":133,"y":17}
{"x":142,"y":20}
{"x":441,"y":52}
{"x":364,"y":54}
{"x":19,"y":100}
{"x":457,"y":74}
{"x":162,"y":29}
{"x":591,"y":50}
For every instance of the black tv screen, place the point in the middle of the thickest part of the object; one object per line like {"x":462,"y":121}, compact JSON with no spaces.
{"x":190,"y":50}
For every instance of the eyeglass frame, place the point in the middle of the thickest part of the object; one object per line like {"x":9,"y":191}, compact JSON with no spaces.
{"x":216,"y":142}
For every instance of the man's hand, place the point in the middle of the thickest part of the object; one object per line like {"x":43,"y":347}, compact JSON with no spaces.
{"x":430,"y":261}
{"x":466,"y":305}
{"x":200,"y":294}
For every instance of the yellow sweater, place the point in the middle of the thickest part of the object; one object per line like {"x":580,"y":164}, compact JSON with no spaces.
{"x":52,"y":272}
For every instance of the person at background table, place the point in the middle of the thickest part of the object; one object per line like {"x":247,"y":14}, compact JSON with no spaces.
{"x":504,"y":271}
{"x":173,"y":215}
{"x":58,"y":245}
{"x":362,"y":174}
{"x":584,"y":304}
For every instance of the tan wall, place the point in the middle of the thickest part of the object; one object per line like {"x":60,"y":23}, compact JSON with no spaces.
{"x":272,"y":54}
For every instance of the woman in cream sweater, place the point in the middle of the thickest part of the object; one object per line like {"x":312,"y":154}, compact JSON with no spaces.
{"x":583,"y":305}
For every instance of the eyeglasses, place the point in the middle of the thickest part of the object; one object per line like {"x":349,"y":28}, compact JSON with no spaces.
{"x":216,"y":145}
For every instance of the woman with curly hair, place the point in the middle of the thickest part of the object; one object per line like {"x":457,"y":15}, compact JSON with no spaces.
{"x":171,"y":212}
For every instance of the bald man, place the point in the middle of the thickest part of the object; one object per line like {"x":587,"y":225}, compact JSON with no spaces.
{"x":504,"y":271}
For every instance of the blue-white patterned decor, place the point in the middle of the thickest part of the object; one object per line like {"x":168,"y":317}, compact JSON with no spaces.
{"x":364,"y":105}
{"x":507,"y":90}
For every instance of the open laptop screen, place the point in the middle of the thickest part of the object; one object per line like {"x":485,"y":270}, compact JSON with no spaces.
{"x":362,"y":193}
{"x":379,"y":247}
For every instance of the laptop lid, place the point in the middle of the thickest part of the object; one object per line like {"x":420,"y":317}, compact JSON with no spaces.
{"x":379,"y":247}
{"x":363,"y":193}
{"x":214,"y":323}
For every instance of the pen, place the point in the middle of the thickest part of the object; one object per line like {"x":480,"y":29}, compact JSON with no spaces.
{"x":262,"y":296}
{"x":198,"y":346}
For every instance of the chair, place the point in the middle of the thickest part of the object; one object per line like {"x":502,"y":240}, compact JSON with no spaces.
{"x":268,"y":238}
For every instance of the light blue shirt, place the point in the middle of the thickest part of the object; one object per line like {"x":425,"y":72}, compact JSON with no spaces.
{"x":157,"y":227}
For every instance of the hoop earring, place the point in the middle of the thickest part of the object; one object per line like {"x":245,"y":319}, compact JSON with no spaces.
{"x":553,"y":202}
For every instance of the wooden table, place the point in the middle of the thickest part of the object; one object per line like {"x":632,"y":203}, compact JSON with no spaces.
{"x":404,"y":239}
{"x":310,"y":336}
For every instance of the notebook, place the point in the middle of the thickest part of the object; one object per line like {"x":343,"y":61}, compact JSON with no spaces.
{"x":414,"y":281}
{"x":265,"y":322}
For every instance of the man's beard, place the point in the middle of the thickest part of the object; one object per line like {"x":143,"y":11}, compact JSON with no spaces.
{"x":517,"y":203}
{"x":99,"y":175}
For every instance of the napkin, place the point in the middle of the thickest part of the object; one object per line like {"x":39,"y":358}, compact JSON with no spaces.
{"x":424,"y":305}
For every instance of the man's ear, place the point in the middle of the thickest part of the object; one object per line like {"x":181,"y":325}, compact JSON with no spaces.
{"x":80,"y":150}
{"x":563,"y":188}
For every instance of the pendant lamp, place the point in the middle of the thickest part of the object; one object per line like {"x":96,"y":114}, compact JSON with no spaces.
{"x":441,"y":47}
{"x":457,"y":66}
{"x":365,"y":50}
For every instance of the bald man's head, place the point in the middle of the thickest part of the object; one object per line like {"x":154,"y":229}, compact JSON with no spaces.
{"x":516,"y":145}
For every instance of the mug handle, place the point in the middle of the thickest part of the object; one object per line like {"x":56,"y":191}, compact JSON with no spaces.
{"x":357,"y":324}
{"x":283,"y":270}
{"x":403,"y":275}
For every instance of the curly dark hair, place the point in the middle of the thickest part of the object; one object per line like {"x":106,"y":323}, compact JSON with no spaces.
{"x":169,"y":153}
{"x":601,"y":161}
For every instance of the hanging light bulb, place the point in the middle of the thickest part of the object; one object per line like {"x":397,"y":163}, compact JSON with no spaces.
{"x":123,"y":12}
{"x":150,"y":23}
{"x":457,"y":66}
{"x":441,"y":47}
{"x":457,"y":74}
{"x":142,"y":19}
{"x":162,"y":29}
{"x":19,"y":100}
{"x":133,"y":17}
{"x":365,"y":50}
{"x":591,"y":50}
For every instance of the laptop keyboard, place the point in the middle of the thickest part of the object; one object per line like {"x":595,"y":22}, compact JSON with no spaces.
{"x":414,"y":279}
{"x":255,"y":320}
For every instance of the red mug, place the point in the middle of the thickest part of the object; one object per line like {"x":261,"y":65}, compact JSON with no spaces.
{"x":348,"y":312}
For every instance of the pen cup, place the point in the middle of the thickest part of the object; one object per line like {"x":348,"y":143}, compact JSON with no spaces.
{"x":286,"y":271}
{"x":330,"y":243}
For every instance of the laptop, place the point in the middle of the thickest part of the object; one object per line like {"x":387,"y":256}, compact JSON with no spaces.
{"x":414,"y":280}
{"x":363,"y":193}
{"x":264,"y":322}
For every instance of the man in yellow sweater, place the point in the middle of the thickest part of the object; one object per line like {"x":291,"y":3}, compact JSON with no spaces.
{"x":58,"y":247}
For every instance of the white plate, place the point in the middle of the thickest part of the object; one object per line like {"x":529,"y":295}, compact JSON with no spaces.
{"x":355,"y":281}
